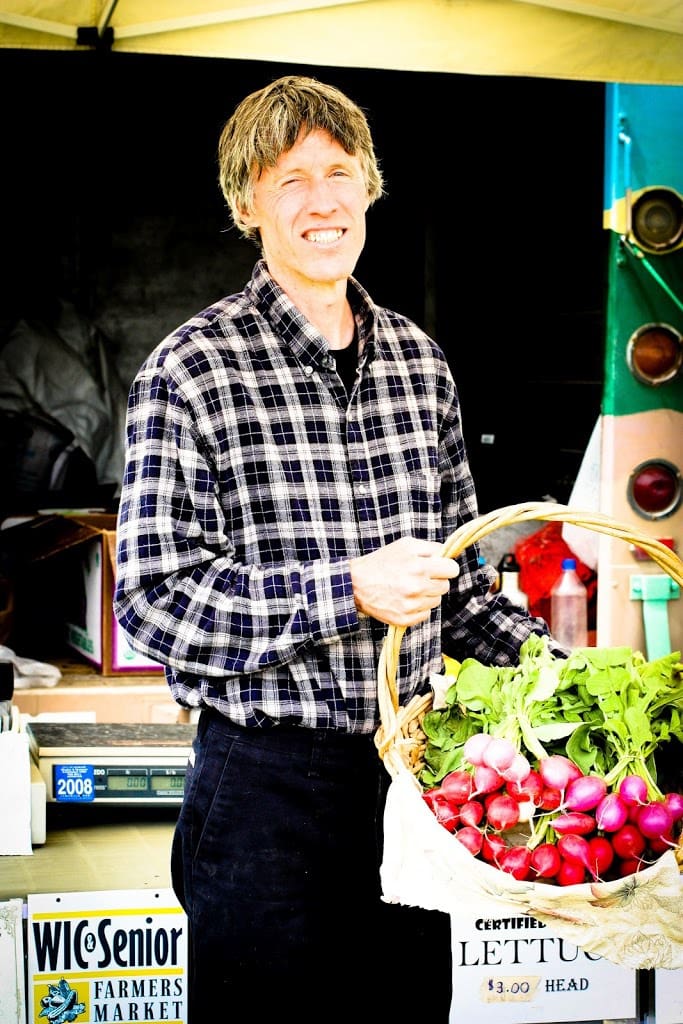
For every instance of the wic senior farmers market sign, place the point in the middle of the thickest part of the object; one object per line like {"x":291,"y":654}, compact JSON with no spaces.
{"x":98,"y":957}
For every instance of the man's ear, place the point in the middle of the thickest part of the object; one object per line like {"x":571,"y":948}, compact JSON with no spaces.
{"x":247,"y":217}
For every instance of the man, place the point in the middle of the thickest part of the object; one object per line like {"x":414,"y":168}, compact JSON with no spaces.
{"x":294,"y":463}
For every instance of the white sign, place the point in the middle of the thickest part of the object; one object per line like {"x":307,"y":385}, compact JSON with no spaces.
{"x":511,"y":969}
{"x":669,"y":997}
{"x":12,"y":994}
{"x":15,"y":794}
{"x":96,"y":957}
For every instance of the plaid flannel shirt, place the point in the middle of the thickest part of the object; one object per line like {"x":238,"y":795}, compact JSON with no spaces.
{"x":251,"y":480}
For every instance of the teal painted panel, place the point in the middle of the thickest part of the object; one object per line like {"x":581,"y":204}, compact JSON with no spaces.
{"x":652,"y":118}
{"x":643,"y":288}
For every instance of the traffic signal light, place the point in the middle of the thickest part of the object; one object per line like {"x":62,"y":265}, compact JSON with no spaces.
{"x":642,"y":408}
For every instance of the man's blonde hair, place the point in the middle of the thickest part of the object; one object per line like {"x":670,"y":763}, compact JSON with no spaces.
{"x":268,"y":122}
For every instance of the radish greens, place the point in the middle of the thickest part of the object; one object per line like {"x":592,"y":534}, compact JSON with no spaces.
{"x":607,"y":709}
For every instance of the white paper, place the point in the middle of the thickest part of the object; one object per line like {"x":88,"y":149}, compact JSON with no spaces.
{"x":15,"y":794}
{"x":669,"y":997}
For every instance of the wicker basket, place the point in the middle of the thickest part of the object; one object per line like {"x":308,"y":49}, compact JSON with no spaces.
{"x":422,"y":861}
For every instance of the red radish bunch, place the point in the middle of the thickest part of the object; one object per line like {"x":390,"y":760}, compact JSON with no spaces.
{"x":579,"y":829}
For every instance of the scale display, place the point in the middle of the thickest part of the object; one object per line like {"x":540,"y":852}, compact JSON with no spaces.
{"x":114,"y":763}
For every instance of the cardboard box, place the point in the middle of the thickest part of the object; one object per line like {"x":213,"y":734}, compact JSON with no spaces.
{"x":66,"y":563}
{"x":85,"y":691}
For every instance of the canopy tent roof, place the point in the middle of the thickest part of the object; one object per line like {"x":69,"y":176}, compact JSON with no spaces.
{"x":639,"y":41}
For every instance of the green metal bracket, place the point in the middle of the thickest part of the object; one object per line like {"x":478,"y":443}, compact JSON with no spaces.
{"x":654,"y":592}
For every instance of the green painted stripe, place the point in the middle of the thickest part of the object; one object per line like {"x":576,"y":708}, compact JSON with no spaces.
{"x":637,"y":297}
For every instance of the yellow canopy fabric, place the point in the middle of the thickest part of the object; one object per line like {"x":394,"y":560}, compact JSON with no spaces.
{"x":637,"y":41}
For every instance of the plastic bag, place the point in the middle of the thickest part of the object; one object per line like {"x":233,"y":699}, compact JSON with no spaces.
{"x":28,"y":673}
{"x":585,"y":494}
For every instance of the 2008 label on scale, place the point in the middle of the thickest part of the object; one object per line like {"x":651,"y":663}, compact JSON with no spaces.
{"x":512,"y":989}
{"x":74,"y":783}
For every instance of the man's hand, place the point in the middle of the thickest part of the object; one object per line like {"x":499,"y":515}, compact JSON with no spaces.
{"x":402,"y":582}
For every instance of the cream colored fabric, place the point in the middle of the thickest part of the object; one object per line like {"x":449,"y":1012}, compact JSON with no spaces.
{"x":602,"y":40}
{"x":634,"y":922}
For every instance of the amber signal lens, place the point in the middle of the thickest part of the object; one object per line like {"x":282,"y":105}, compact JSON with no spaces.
{"x":655,"y":353}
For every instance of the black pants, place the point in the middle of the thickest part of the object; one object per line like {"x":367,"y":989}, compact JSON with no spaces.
{"x":276,"y":862}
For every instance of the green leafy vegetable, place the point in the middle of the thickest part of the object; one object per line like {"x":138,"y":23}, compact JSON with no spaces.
{"x":607,"y":709}
{"x":636,"y":709}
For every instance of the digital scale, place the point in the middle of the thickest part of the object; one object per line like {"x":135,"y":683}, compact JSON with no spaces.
{"x":112,"y":763}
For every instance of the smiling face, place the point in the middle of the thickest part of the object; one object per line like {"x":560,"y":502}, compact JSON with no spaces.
{"x":309,"y":210}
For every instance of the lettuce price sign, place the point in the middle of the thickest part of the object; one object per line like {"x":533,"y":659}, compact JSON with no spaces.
{"x":512,"y":969}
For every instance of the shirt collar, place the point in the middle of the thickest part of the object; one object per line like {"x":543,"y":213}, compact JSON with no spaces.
{"x":289,"y":323}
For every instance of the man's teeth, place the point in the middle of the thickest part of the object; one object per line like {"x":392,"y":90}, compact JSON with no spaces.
{"x":325,"y":237}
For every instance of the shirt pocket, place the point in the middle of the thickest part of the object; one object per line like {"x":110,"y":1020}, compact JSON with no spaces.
{"x":410,"y":504}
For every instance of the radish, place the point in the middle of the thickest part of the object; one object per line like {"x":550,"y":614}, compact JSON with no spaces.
{"x":517,"y":770}
{"x":600,"y":856}
{"x":628,"y":842}
{"x":558,"y":771}
{"x":611,"y":813}
{"x":545,"y":860}
{"x":551,"y":799}
{"x":488,"y":797}
{"x":446,"y":813}
{"x":473,"y":750}
{"x":471,"y":838}
{"x":516,"y":861}
{"x":585,"y":793}
{"x":430,"y":796}
{"x":499,"y":753}
{"x":492,"y":846}
{"x":633,"y":790}
{"x":573,"y":823}
{"x":527,"y":810}
{"x":629,"y":866}
{"x":529,"y":788}
{"x":633,"y":812}
{"x":571,"y":873}
{"x":486,"y":780}
{"x":457,"y":786}
{"x":573,"y":847}
{"x":655,"y":820}
{"x":674,"y":805}
{"x":661,"y":844}
{"x":471,"y":812}
{"x":502,"y":812}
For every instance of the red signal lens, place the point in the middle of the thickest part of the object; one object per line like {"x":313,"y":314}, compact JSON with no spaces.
{"x":655,"y":353}
{"x":654,"y":489}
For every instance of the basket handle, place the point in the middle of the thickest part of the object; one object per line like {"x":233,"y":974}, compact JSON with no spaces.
{"x":473,"y":531}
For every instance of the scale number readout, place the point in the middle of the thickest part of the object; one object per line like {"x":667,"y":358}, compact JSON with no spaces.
{"x":74,"y":783}
{"x":84,"y":783}
{"x":513,"y":989}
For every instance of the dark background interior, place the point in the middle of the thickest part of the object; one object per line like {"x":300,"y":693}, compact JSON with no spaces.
{"x":490,"y":236}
